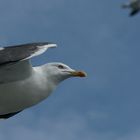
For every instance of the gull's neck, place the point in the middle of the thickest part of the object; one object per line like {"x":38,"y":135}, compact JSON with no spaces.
{"x":45,"y":82}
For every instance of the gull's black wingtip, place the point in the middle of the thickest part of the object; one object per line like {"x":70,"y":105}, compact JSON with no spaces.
{"x":6,"y":116}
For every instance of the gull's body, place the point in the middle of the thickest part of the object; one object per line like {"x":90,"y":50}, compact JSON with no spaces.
{"x":21,"y":85}
{"x":134,"y":5}
{"x":24,"y":92}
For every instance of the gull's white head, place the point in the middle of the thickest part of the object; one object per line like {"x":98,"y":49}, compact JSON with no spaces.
{"x":59,"y":72}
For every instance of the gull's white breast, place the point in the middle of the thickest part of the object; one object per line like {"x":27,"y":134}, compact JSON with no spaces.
{"x":16,"y":96}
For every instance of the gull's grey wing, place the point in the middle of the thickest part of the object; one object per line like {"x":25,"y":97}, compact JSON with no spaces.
{"x":17,"y":53}
{"x":15,"y":72}
{"x":14,"y":61}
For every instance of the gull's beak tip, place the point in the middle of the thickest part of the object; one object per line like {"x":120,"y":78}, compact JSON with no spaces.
{"x":79,"y":74}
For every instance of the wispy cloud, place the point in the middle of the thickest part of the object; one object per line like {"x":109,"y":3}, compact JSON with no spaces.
{"x":70,"y":126}
{"x":131,"y":136}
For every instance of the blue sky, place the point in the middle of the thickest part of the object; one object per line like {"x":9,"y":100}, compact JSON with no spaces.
{"x":96,"y":36}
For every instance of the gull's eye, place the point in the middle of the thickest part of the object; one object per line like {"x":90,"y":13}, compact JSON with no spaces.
{"x":60,"y":66}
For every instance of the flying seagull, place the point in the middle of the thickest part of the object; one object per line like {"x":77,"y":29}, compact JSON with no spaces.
{"x":134,"y":5}
{"x":21,"y":84}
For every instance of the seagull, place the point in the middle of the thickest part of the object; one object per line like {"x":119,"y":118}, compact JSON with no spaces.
{"x":21,"y":84}
{"x":134,"y":5}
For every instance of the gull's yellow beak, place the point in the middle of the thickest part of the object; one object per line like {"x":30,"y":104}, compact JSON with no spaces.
{"x":78,"y":73}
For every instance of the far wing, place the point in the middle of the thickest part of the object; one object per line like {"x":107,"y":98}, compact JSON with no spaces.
{"x":134,"y":12}
{"x":14,"y":61}
{"x":23,"y":52}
